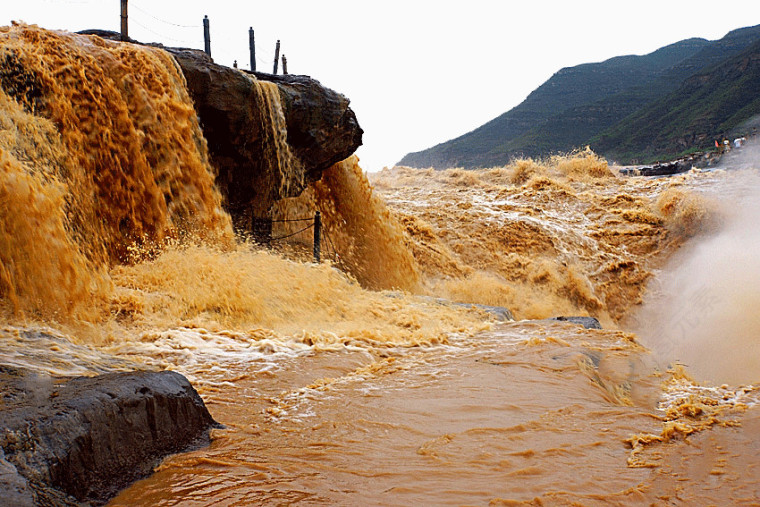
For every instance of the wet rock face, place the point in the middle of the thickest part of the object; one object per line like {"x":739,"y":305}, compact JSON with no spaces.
{"x":587,"y":322}
{"x":662,"y":168}
{"x":64,"y":441}
{"x":321,"y":130}
{"x":501,"y":313}
{"x":14,"y":489}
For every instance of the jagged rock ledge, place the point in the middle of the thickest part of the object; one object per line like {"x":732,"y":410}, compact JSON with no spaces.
{"x":670,"y":168}
{"x":81,"y":440}
{"x":587,"y":322}
{"x":321,"y":130}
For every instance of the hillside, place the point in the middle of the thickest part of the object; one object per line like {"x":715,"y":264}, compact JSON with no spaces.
{"x":709,"y":104}
{"x":582,"y":103}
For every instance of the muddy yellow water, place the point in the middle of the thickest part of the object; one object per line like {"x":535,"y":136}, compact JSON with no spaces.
{"x":359,"y":381}
{"x":511,"y":414}
{"x":525,"y":411}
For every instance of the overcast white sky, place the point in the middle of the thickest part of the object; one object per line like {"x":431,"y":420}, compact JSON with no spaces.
{"x":417,"y":72}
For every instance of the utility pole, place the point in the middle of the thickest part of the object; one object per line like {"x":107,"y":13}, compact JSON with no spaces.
{"x":252,"y":46}
{"x":124,"y":29}
{"x":276,"y":56}
{"x":317,"y":237}
{"x":206,"y":36}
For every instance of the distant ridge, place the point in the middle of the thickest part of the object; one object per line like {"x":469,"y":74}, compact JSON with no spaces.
{"x":611,"y":106}
{"x":712,"y":103}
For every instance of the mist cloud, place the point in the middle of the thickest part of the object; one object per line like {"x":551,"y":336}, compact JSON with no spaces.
{"x":703,"y":310}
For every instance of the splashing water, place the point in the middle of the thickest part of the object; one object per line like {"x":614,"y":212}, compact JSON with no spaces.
{"x":702,"y":310}
{"x":90,"y":167}
{"x":361,"y":233}
{"x":346,"y":382}
{"x":126,"y":231}
{"x":563,"y":236}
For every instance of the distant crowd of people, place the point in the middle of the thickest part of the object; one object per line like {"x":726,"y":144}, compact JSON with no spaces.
{"x":724,"y":145}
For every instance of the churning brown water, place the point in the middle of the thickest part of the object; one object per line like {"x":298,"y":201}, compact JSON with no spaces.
{"x":351,"y":382}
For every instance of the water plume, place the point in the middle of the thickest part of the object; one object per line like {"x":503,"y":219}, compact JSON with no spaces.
{"x":686,"y":213}
{"x":583,"y":165}
{"x":702,"y":309}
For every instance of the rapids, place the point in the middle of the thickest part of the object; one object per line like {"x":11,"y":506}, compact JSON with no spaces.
{"x":354,"y":381}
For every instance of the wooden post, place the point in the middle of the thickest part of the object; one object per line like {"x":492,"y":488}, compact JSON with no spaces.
{"x":276,"y":56}
{"x":124,"y":27}
{"x":284,"y":65}
{"x":252,"y":46}
{"x":206,"y":36}
{"x":317,"y":236}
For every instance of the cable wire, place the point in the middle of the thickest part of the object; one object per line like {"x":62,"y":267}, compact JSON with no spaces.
{"x":132,"y":20}
{"x":163,"y":20}
{"x":293,"y":234}
{"x":331,"y":245}
{"x":294,"y":220}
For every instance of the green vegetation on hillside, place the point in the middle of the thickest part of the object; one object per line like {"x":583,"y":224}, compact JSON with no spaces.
{"x":708,"y":105}
{"x":598,"y":103}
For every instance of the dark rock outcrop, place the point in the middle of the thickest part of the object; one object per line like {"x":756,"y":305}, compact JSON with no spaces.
{"x":501,"y":313}
{"x":661,"y":169}
{"x":321,"y":130}
{"x":587,"y":322}
{"x":64,"y":441}
{"x":244,"y":138}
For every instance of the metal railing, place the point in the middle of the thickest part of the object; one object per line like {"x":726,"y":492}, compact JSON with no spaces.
{"x":319,"y":232}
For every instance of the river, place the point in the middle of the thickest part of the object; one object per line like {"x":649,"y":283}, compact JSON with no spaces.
{"x":357,"y":381}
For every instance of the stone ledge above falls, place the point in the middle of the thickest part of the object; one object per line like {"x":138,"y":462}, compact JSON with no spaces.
{"x":321,"y":130}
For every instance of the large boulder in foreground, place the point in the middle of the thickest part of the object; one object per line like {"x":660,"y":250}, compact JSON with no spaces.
{"x":64,"y":441}
{"x":265,"y":151}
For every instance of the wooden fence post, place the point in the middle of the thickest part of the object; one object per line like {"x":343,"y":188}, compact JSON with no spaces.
{"x":252,"y":46}
{"x":284,"y":65}
{"x":317,"y":236}
{"x":206,"y":36}
{"x":124,"y":27}
{"x":276,"y":56}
